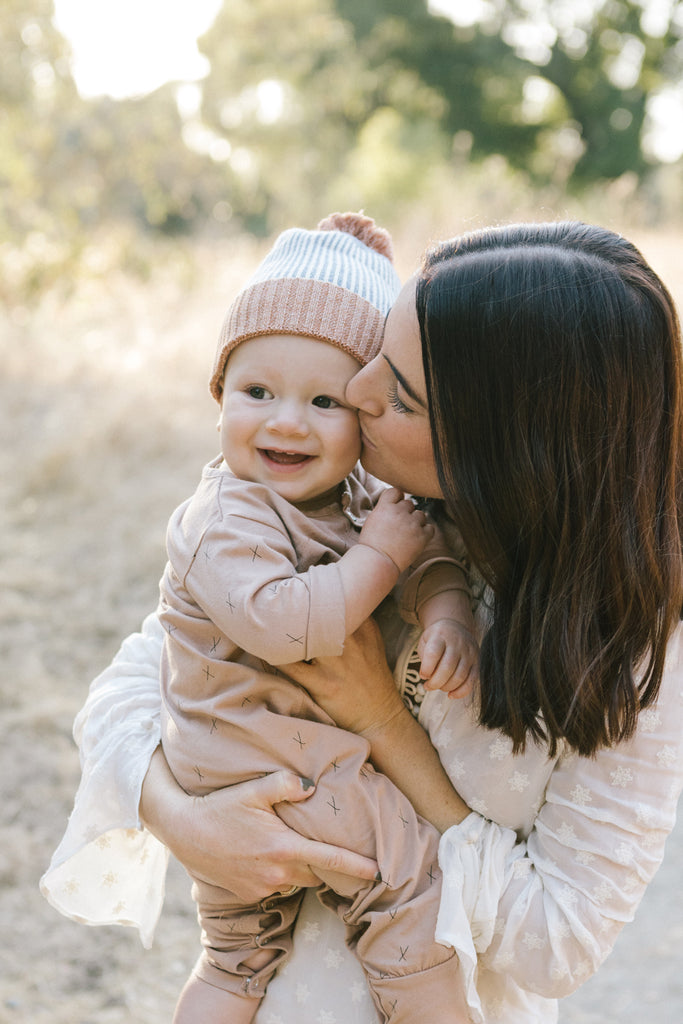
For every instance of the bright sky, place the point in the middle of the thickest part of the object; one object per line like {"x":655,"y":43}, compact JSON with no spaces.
{"x":127,"y":47}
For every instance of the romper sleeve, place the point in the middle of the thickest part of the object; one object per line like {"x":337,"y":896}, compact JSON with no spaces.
{"x":546,"y":911}
{"x":240,"y":569}
{"x":108,"y":869}
{"x":441,"y":567}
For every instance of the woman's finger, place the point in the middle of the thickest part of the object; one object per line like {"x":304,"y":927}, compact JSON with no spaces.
{"x":335,"y":859}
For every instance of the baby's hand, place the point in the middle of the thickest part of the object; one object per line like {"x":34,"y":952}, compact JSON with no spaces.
{"x":449,"y":657}
{"x":397,"y":529}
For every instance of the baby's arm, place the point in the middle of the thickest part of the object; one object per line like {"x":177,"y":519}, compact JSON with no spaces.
{"x":393,"y":536}
{"x":448,"y":649}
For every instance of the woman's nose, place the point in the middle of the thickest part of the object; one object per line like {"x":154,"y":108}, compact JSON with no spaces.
{"x":363,"y":391}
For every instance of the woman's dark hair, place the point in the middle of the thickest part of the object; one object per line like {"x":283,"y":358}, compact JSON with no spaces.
{"x":553,"y":366}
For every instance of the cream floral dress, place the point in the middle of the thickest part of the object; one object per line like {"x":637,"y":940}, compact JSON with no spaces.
{"x":538,"y":880}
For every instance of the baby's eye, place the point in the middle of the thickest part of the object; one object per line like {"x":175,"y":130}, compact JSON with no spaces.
{"x":325,"y":402}
{"x":258,"y":392}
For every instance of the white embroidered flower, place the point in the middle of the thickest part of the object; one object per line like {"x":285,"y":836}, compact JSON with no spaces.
{"x":333,"y":958}
{"x":621,"y":777}
{"x":500,"y":748}
{"x":644,"y":815}
{"x":583,"y":969}
{"x":479,"y":806}
{"x":496,"y":1008}
{"x":110,"y":879}
{"x":359,"y":992}
{"x":274,"y":1018}
{"x":503,"y":961}
{"x":311,"y":932}
{"x":624,"y":853}
{"x":518,"y":782}
{"x":521,"y":867}
{"x":567,"y":896}
{"x":445,"y":737}
{"x":632,"y":883}
{"x":326,"y":1017}
{"x":649,"y":719}
{"x":533,"y":941}
{"x":581,"y":795}
{"x":561,"y":929}
{"x":565,"y":832}
{"x":666,"y":757}
{"x":601,"y":893}
{"x":303,"y":993}
{"x":71,"y":886}
{"x":456,"y":769}
{"x":558,"y":971}
{"x":584,"y":857}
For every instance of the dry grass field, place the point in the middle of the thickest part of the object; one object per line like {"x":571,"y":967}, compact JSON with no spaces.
{"x":105,"y":423}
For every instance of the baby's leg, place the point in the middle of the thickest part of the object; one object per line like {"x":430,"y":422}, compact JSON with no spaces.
{"x":244,"y":944}
{"x":391,"y":921}
{"x":201,"y":1002}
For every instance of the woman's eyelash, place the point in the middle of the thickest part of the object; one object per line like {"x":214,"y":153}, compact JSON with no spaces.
{"x":394,"y":400}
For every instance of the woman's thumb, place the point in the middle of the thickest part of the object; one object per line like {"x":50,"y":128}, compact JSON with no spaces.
{"x":285,"y":786}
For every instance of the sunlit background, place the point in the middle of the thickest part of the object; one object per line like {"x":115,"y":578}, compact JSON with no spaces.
{"x":149,"y":151}
{"x":215,"y":119}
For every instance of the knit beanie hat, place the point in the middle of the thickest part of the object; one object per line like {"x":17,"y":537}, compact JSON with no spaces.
{"x":336,"y":283}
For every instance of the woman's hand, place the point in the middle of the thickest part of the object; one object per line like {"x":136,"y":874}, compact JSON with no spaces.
{"x":357,"y":688}
{"x":233,"y":837}
{"x":358,"y":692}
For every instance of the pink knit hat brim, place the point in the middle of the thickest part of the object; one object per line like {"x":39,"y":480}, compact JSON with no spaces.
{"x":309,"y":308}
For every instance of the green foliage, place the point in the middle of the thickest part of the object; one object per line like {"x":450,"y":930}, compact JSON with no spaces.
{"x":317,"y":104}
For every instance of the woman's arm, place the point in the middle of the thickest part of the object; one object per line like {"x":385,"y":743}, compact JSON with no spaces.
{"x":546,"y":912}
{"x":109,"y":868}
{"x":358,"y":691}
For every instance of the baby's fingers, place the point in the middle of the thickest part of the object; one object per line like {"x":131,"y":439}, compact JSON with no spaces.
{"x":430,"y":652}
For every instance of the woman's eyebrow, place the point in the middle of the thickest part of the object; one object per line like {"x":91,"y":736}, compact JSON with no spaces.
{"x":404,"y":384}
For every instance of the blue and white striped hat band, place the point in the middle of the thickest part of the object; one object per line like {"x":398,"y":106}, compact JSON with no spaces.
{"x":336,"y":284}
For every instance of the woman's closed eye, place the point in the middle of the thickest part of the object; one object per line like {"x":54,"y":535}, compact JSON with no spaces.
{"x":395,"y":401}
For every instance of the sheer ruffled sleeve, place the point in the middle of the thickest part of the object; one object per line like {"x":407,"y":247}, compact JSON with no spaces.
{"x":108,"y":869}
{"x":545,"y":911}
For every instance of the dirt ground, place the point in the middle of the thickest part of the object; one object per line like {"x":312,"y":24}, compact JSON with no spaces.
{"x":105,"y":422}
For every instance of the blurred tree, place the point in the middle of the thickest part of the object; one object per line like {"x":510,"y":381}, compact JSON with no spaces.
{"x":560,"y":89}
{"x":318,"y":103}
{"x":600,"y":62}
{"x":605,"y":60}
{"x":36,"y":88}
{"x":71,"y":169}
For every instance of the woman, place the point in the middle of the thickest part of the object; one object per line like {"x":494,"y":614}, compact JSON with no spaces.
{"x":531,"y":378}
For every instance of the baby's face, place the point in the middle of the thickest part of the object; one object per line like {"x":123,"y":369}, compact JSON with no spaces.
{"x":285,"y":421}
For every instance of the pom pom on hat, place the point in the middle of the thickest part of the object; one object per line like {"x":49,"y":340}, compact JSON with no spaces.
{"x":336,"y":284}
{"x":363,"y":228}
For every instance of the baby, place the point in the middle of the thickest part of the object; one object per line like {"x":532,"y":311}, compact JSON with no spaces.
{"x":286,"y":547}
